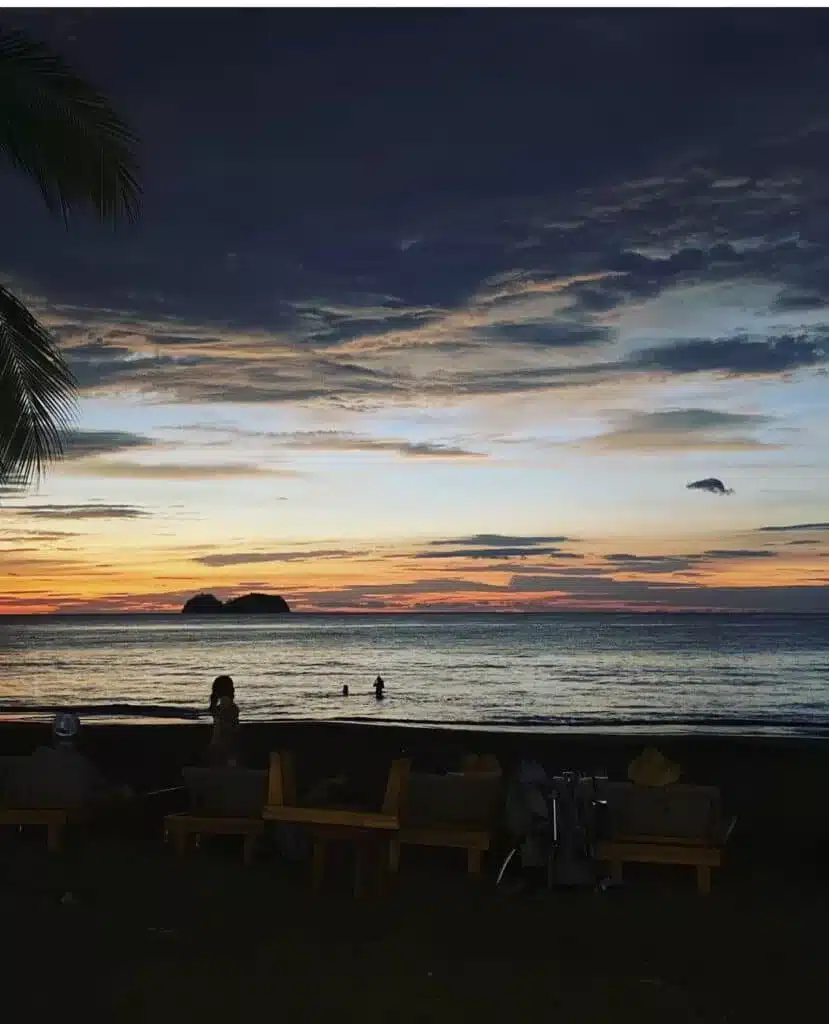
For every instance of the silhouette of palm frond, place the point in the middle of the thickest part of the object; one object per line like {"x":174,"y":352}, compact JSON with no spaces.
{"x":60,"y":132}
{"x":37,"y":392}
{"x":63,"y":134}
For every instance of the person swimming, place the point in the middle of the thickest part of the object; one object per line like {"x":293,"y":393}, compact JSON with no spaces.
{"x":379,"y":686}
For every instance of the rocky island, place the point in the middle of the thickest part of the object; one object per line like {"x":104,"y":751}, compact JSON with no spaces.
{"x":247,"y":604}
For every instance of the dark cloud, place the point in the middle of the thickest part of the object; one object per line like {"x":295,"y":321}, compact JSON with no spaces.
{"x":500,"y":539}
{"x":92,"y":511}
{"x":736,"y":356}
{"x":651,"y":563}
{"x":796,"y":526}
{"x":251,"y":557}
{"x":711,"y":484}
{"x":551,"y":335}
{"x":82,"y":444}
{"x":497,"y":553}
{"x":677,"y":595}
{"x":720,"y":553}
{"x":716,"y":177}
{"x":794,"y":302}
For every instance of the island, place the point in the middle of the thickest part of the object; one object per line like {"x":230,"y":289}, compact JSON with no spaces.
{"x":246,"y":604}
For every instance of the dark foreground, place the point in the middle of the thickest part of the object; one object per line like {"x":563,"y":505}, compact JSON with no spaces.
{"x":151,"y":938}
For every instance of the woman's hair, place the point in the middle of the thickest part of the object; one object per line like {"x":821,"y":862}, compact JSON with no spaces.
{"x":222,"y":687}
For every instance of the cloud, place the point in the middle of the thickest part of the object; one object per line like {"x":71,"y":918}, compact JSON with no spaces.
{"x":82,"y":444}
{"x":720,"y":553}
{"x":736,"y":356}
{"x":796,"y":526}
{"x":343,"y":441}
{"x":651,"y":563}
{"x":252,"y":557}
{"x":498,"y":553}
{"x":501,"y":539}
{"x":671,"y":594}
{"x":126,"y":470}
{"x":91,"y":511}
{"x":710,"y":484}
{"x":682,"y":430}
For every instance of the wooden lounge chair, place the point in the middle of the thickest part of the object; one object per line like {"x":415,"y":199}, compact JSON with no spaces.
{"x":366,"y":831}
{"x":22,"y":806}
{"x":223,"y":801}
{"x":458,"y":810}
{"x":481,"y":764}
{"x":675,"y":824}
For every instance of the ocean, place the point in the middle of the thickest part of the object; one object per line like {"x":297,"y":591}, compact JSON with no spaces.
{"x":733,"y":674}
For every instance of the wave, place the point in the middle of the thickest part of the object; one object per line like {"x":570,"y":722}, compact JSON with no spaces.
{"x":106,"y":710}
{"x":805,"y":725}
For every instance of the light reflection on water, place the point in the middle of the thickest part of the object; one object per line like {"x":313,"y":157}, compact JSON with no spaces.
{"x":751,"y":674}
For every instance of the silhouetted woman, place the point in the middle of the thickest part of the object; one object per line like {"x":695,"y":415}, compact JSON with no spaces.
{"x":222,"y":751}
{"x":379,"y":686}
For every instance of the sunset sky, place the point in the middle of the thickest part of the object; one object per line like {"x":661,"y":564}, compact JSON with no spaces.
{"x":440,"y":310}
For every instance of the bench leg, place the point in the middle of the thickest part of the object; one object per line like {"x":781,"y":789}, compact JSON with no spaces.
{"x":248,"y":849}
{"x":360,"y":854}
{"x":318,"y":864}
{"x":394,"y":857}
{"x":475,"y":861}
{"x":54,"y":834}
{"x":179,"y":837}
{"x":703,"y":879}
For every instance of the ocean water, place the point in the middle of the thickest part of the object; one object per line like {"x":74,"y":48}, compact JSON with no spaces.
{"x":754,"y":674}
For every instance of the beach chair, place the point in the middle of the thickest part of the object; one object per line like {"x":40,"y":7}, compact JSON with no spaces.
{"x":674,"y":824}
{"x":222,"y":801}
{"x":456,"y":811}
{"x":481,"y":764}
{"x":24,"y":803}
{"x":365,"y":830}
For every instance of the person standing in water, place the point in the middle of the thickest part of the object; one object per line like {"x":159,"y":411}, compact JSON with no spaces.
{"x":345,"y":690}
{"x":379,"y":686}
{"x":223,"y":708}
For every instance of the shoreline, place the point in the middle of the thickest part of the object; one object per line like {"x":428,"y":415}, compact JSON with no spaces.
{"x":639,"y":730}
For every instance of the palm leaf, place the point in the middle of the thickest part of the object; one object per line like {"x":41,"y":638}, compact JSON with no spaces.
{"x":64,"y":134}
{"x":37,"y":392}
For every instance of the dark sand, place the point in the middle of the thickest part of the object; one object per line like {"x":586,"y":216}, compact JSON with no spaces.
{"x":156,"y":939}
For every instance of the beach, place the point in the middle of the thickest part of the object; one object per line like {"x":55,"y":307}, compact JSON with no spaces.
{"x":151,"y":937}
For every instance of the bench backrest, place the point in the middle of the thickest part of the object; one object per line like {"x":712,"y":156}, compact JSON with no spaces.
{"x":678,"y":811}
{"x":10,"y":766}
{"x":226,"y":792}
{"x":459,"y":799}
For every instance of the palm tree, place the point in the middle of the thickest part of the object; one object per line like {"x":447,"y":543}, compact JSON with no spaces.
{"x":64,"y":135}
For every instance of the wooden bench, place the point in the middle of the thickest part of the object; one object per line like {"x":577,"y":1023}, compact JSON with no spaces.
{"x":181,"y":827}
{"x":223,"y":801}
{"x":54,"y":820}
{"x":677,"y":824}
{"x":366,"y":832}
{"x":455,"y":811}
